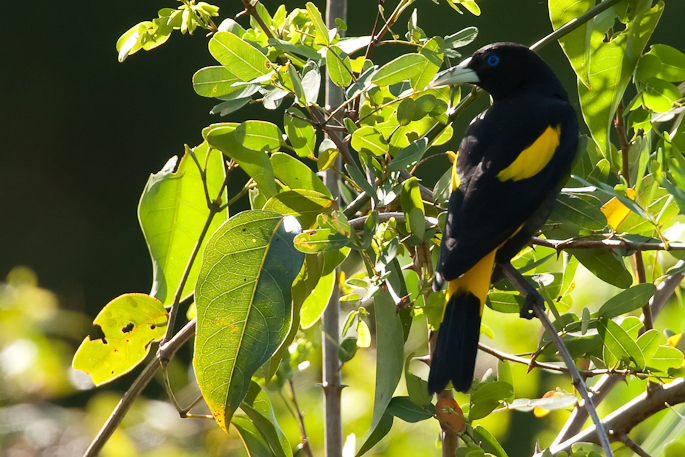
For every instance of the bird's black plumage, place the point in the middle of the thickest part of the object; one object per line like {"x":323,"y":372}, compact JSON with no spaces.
{"x":509,"y":169}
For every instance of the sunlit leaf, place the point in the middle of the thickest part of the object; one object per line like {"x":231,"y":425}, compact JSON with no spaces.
{"x":128,"y":324}
{"x":488,"y":397}
{"x":172,"y":213}
{"x":402,"y":68}
{"x":243,"y":304}
{"x":238,"y":56}
{"x":627,"y":301}
{"x":214,"y":81}
{"x":339,"y":67}
{"x":620,"y":343}
{"x":305,"y":205}
{"x":296,"y":175}
{"x":301,"y":133}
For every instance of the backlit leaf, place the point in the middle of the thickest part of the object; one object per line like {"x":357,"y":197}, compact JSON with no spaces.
{"x":129,"y":323}
{"x":243,"y":297}
{"x":242,"y":59}
{"x":400,"y":69}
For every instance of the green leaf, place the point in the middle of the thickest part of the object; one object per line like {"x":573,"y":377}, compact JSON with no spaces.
{"x":129,"y":323}
{"x":504,"y":302}
{"x":243,"y":297}
{"x":648,"y":343}
{"x":363,"y":334}
{"x":648,"y":67}
{"x":579,"y":212}
{"x":666,"y":357}
{"x":172,"y":213}
{"x":462,"y":38}
{"x":434,"y":54}
{"x":214,"y":81}
{"x":672,"y":62}
{"x":611,"y":67}
{"x":243,"y":60}
{"x":258,"y":408}
{"x":488,"y":397}
{"x":305,"y":51}
{"x":412,"y":205}
{"x":400,"y":69}
{"x":389,"y":363}
{"x":409,"y":156}
{"x":230,"y":106}
{"x":620,"y":343}
{"x":370,"y":141}
{"x":258,"y":136}
{"x":378,"y":433}
{"x":296,"y":175}
{"x":504,"y":375}
{"x":321,"y":240}
{"x":660,"y":95}
{"x":488,"y":442}
{"x":319,"y":25}
{"x":627,"y":301}
{"x":305,"y":205}
{"x":315,"y":304}
{"x":251,"y":437}
{"x":417,"y":388}
{"x":360,"y":180}
{"x":607,"y":266}
{"x":577,"y":44}
{"x":403,"y":408}
{"x":255,"y":163}
{"x":339,"y":67}
{"x":301,"y":133}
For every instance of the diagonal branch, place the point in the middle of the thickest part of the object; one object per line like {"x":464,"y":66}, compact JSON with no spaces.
{"x":536,"y":302}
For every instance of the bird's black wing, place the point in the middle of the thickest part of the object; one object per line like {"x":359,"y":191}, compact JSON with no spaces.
{"x":501,"y":188}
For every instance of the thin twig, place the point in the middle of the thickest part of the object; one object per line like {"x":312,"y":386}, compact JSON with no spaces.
{"x":532,"y":363}
{"x":573,"y":24}
{"x":632,"y":445}
{"x":536,"y":302}
{"x":300,"y":420}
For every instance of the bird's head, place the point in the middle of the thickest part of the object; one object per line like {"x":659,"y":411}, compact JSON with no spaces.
{"x":501,"y":69}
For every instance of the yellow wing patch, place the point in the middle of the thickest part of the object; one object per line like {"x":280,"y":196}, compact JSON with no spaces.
{"x":455,"y":182}
{"x":534,"y":158}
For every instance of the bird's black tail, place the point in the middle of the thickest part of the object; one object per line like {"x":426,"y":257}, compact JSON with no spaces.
{"x":454,"y":358}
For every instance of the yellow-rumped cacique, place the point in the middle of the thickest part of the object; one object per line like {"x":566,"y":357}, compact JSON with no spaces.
{"x":508,"y":171}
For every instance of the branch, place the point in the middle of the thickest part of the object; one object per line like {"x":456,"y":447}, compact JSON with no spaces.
{"x":358,"y":223}
{"x":532,"y":363}
{"x":608,"y":382}
{"x":535,"y":302}
{"x":606,"y":244}
{"x":621,"y":422}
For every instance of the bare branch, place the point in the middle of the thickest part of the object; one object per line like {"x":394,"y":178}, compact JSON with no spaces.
{"x":608,"y":244}
{"x":621,"y":422}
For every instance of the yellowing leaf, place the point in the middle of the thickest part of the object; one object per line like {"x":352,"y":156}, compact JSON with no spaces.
{"x":615,"y":211}
{"x":129,"y":323}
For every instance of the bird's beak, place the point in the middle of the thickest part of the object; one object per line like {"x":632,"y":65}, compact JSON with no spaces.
{"x":455,"y":75}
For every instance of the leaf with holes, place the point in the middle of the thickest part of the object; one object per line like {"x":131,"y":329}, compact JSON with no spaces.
{"x":172,"y":213}
{"x":129,"y":323}
{"x":244,"y":304}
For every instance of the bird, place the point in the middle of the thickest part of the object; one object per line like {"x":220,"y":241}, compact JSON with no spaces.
{"x":508,"y":171}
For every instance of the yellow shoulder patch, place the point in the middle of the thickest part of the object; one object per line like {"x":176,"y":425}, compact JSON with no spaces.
{"x":534,"y":158}
{"x":455,"y":182}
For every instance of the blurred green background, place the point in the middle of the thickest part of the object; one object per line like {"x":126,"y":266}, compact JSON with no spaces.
{"x":80,"y":134}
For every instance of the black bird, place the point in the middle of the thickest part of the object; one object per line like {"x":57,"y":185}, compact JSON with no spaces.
{"x":509,"y":169}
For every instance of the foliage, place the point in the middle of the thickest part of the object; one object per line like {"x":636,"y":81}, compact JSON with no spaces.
{"x":262,"y":277}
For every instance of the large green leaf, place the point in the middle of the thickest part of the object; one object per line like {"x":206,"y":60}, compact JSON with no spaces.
{"x":607,"y":266}
{"x":626,"y":301}
{"x":229,"y":139}
{"x":305,"y":205}
{"x":258,"y":408}
{"x":611,"y":66}
{"x":390,"y":355}
{"x":382,"y":429}
{"x":402,"y":68}
{"x":576,"y":44}
{"x":238,"y":56}
{"x":255,"y":443}
{"x":172,"y":212}
{"x":243,"y":304}
{"x":214,"y":81}
{"x":300,"y":133}
{"x":488,"y":397}
{"x":339,"y":67}
{"x":405,"y":409}
{"x":296,"y":174}
{"x":129,"y":323}
{"x":621,"y":345}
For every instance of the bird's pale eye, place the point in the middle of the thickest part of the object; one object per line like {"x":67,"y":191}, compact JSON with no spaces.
{"x":493,"y":60}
